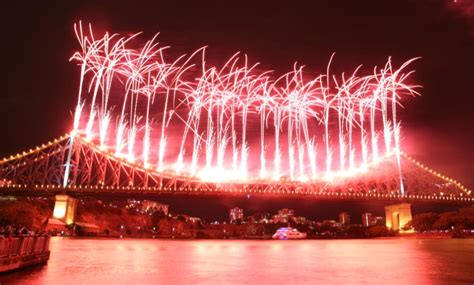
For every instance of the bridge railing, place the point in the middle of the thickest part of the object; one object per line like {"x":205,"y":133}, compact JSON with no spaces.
{"x":23,"y":245}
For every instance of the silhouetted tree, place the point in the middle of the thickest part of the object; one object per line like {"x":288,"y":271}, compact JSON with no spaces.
{"x":424,"y":222}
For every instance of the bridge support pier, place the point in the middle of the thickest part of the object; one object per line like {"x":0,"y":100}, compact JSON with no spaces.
{"x":397,"y":216}
{"x":65,"y":209}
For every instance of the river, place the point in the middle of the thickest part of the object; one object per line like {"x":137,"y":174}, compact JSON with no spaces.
{"x":147,"y":261}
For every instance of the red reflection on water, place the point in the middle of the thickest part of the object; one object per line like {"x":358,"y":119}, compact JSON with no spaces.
{"x":388,"y":261}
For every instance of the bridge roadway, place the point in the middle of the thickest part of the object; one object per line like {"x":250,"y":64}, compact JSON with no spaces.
{"x":127,"y":192}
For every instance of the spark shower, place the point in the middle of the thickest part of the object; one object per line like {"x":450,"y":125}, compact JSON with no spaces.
{"x":234,"y":122}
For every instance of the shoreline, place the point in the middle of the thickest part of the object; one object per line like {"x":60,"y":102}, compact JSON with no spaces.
{"x":402,"y":236}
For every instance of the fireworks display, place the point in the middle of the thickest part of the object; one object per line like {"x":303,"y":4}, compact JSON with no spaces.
{"x":234,"y":122}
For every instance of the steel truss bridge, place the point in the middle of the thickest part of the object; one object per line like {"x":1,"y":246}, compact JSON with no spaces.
{"x":90,"y":170}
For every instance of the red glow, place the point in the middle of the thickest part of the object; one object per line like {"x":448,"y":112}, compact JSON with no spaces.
{"x":234,"y":123}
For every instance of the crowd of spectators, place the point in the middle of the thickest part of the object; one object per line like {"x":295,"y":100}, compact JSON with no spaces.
{"x":11,"y":231}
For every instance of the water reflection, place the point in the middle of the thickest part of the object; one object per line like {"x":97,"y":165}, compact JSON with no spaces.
{"x":387,"y":261}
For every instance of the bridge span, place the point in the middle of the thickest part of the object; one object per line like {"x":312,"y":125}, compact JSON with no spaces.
{"x":71,"y":167}
{"x":75,"y":166}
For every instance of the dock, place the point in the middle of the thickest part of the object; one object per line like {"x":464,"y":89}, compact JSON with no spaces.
{"x":21,"y":252}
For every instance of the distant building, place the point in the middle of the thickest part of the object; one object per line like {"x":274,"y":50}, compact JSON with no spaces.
{"x":259,"y":218}
{"x":187,"y":218}
{"x":344,"y":218}
{"x":283,"y":216}
{"x":379,"y":221}
{"x":300,"y":220}
{"x":194,"y":220}
{"x":330,"y":223}
{"x":367,"y":219}
{"x":87,"y":229}
{"x":236,"y":214}
{"x":153,"y":206}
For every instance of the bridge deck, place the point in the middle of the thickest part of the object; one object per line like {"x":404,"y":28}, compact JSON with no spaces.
{"x":134,"y":192}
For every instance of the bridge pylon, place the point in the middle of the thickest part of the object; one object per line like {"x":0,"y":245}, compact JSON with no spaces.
{"x":397,"y":216}
{"x":65,"y":209}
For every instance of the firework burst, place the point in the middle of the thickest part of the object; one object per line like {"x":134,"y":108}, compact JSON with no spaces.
{"x":234,"y":122}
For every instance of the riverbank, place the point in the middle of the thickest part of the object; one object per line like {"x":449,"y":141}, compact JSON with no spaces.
{"x":129,"y":218}
{"x":269,"y":237}
{"x":138,"y":219}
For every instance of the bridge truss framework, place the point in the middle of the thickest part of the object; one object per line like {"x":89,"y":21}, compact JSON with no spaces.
{"x":89,"y":169}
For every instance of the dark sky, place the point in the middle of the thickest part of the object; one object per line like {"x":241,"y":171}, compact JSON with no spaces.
{"x":39,"y":84}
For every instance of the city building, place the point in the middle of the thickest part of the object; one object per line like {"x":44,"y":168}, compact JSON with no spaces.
{"x":259,"y":218}
{"x":379,"y":221}
{"x":344,"y":219}
{"x":284,"y":216}
{"x":153,"y":206}
{"x":329,"y":223}
{"x":300,"y":220}
{"x":236,"y":215}
{"x":194,"y":220}
{"x":367,"y":219}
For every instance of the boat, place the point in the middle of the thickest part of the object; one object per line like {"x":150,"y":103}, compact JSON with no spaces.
{"x":288,"y":233}
{"x":20,"y":252}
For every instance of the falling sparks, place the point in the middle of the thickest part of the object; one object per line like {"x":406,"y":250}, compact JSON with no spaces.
{"x":234,"y":122}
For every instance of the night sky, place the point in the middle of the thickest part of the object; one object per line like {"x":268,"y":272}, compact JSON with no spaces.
{"x":40,"y":84}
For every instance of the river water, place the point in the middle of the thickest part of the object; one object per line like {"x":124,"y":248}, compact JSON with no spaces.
{"x":141,"y":261}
